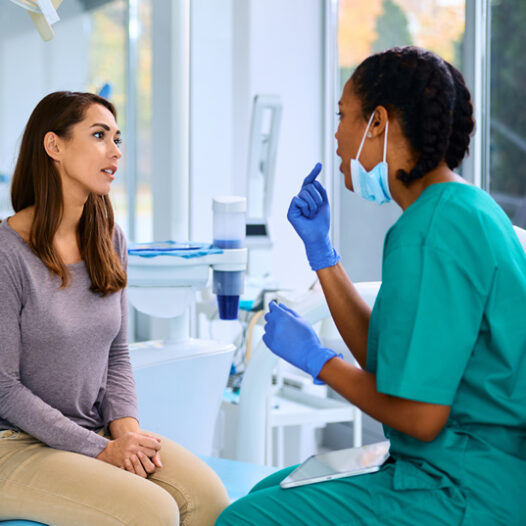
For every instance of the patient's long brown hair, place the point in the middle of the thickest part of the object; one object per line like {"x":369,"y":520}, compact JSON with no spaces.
{"x":37,"y":182}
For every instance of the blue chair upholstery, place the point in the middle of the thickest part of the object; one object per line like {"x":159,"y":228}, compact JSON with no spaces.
{"x":238,"y":478}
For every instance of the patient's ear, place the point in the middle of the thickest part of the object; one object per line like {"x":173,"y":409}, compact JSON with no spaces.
{"x":53,"y":145}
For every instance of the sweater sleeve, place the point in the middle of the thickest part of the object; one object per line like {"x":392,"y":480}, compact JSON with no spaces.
{"x":19,"y":405}
{"x":120,"y":399}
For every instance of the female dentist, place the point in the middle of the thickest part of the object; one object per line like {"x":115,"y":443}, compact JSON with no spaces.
{"x":443,"y":352}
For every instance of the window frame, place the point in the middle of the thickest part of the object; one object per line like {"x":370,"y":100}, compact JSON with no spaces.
{"x":477,"y":56}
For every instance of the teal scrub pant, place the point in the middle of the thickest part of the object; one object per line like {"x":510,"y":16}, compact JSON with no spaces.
{"x":371,"y":499}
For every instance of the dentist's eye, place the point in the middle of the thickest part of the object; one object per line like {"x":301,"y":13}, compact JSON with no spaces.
{"x":99,"y":135}
{"x":117,"y":141}
{"x":339,"y":114}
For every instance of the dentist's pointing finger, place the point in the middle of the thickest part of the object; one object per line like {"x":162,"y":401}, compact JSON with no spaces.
{"x":314,"y":173}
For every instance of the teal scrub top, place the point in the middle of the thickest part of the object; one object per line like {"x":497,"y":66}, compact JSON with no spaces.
{"x":449,"y":327}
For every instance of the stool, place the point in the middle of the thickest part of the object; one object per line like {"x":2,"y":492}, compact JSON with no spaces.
{"x":238,"y":478}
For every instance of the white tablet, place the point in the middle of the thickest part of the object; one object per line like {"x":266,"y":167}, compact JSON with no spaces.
{"x":338,"y":464}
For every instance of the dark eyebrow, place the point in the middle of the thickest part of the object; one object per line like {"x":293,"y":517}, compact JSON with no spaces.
{"x":339,"y":103}
{"x":105,"y":126}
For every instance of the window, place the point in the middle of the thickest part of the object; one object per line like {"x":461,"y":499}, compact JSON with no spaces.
{"x":369,"y":26}
{"x":92,"y":48}
{"x":109,"y":51}
{"x":507,"y":127}
{"x":106,"y":67}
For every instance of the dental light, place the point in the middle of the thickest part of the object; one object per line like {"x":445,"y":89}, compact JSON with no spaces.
{"x":43,"y":13}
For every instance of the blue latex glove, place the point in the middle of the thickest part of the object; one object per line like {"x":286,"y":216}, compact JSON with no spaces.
{"x":290,"y":337}
{"x":309,"y":213}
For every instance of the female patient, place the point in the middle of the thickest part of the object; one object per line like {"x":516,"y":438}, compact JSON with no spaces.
{"x":443,"y":352}
{"x":71,"y":450}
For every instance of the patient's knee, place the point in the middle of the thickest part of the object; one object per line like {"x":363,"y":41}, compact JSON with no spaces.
{"x":156,"y":507}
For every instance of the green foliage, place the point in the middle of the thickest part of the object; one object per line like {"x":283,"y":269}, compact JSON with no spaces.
{"x":391,"y":27}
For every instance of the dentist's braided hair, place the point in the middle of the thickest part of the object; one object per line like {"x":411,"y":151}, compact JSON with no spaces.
{"x":429,"y":98}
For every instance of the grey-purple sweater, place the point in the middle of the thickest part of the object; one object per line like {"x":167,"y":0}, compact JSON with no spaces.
{"x":65,"y":371}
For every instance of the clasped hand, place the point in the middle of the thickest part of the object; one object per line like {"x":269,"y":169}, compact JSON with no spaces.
{"x":135,"y":452}
{"x":292,"y":338}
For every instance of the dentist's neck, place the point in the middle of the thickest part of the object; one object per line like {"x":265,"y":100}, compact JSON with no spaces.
{"x":405,"y":196}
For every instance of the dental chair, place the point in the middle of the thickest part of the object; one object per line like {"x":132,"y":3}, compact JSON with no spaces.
{"x":254,"y":411}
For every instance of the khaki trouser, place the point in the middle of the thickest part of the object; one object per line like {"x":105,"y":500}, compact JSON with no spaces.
{"x":61,"y":488}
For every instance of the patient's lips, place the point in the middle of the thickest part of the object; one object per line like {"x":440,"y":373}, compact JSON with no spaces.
{"x":110,"y":171}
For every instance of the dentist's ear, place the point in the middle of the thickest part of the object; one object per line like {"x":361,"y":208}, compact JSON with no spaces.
{"x":52,"y":145}
{"x":379,"y":121}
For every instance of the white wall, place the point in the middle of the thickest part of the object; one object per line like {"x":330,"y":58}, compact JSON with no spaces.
{"x":242,"y":48}
{"x":211,"y":122}
{"x":287,"y":59}
{"x":284,"y":56}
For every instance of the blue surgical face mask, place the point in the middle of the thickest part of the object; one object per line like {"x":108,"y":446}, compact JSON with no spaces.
{"x":373,"y":185}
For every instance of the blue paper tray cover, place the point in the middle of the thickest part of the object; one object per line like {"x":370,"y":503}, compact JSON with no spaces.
{"x":186,"y":249}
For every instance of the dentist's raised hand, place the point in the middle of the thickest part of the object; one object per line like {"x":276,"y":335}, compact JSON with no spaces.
{"x":290,"y":337}
{"x":309,"y":213}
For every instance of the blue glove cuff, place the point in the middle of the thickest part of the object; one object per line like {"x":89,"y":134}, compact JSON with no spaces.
{"x":322,"y":255}
{"x":321,"y":358}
